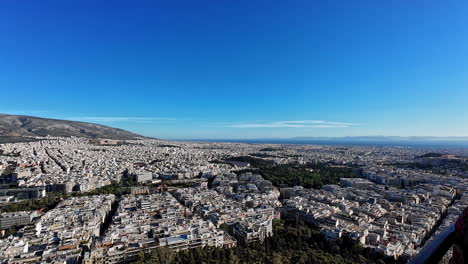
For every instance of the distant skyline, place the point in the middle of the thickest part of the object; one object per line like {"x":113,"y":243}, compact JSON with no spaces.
{"x":240,"y":69}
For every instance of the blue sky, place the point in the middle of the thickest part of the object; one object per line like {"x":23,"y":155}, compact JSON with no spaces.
{"x":240,"y":69}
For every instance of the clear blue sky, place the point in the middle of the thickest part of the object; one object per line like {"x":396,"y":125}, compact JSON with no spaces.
{"x":240,"y":69}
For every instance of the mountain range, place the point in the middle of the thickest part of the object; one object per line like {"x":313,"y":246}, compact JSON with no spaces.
{"x":20,"y":128}
{"x":17,"y":128}
{"x":384,"y":138}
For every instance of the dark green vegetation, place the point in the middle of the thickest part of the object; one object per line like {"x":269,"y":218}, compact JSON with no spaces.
{"x":9,"y":139}
{"x":291,"y":243}
{"x":269,"y":149}
{"x":129,"y":179}
{"x":14,"y":127}
{"x":108,"y":189}
{"x":432,"y":155}
{"x":309,"y":175}
{"x":168,"y":146}
{"x":171,"y":183}
{"x":48,"y":202}
{"x":51,"y":200}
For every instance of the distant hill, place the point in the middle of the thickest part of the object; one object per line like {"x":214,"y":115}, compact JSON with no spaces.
{"x":383,"y":138}
{"x":419,"y":142}
{"x":16,"y":128}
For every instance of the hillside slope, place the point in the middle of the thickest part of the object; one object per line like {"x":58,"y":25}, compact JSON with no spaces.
{"x":14,"y":126}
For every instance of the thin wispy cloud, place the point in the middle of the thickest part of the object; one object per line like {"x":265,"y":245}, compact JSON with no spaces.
{"x":21,"y":112}
{"x":296,"y":124}
{"x":315,"y":122}
{"x":118,"y":119}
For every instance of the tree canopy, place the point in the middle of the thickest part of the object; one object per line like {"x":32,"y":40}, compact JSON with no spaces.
{"x":292,"y":243}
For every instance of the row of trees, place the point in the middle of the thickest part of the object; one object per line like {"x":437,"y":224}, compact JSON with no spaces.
{"x":48,"y":202}
{"x":52,"y":199}
{"x":113,"y":188}
{"x":292,"y":243}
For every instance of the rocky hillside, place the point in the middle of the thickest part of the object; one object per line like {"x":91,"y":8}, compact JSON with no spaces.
{"x":14,"y":126}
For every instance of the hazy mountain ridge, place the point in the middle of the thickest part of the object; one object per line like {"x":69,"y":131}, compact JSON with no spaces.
{"x":17,"y":126}
{"x":384,"y":138}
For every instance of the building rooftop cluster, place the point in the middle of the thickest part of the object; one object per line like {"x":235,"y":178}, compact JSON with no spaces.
{"x":86,"y":166}
{"x":394,"y":221}
{"x":60,"y":234}
{"x":245,"y":204}
{"x":398,"y":199}
{"x":143,"y":222}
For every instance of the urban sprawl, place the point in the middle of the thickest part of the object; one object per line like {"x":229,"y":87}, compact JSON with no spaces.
{"x":192,"y":194}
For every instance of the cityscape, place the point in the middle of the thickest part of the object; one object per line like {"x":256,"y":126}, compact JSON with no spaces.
{"x":120,"y":199}
{"x":234,"y":132}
